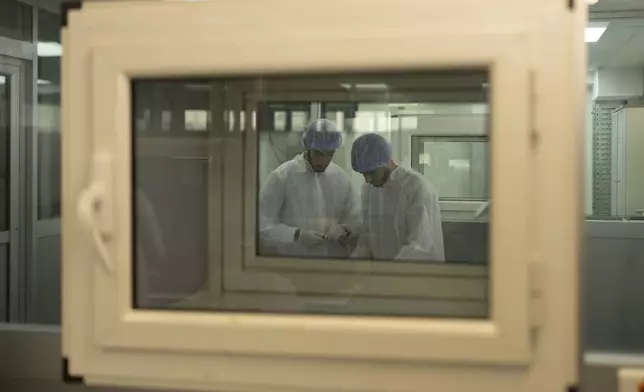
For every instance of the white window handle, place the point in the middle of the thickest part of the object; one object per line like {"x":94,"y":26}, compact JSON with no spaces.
{"x":95,"y":208}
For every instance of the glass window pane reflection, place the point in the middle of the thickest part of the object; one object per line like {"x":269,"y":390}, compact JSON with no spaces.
{"x":340,"y":165}
{"x":16,"y":20}
{"x":457,"y":166}
{"x":48,"y":115}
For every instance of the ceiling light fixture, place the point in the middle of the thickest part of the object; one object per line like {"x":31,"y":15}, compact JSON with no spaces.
{"x":49,"y":49}
{"x":364,"y":86}
{"x":594,"y":31}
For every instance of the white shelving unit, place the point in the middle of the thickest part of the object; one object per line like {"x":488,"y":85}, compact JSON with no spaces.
{"x":627,"y":181}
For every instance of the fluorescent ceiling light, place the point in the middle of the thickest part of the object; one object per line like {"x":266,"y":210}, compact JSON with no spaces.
{"x":365,"y":86}
{"x":372,"y":86}
{"x":49,"y":49}
{"x":594,"y":31}
{"x":43,"y":81}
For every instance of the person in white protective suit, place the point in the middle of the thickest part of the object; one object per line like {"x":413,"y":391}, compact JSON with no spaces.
{"x":400,"y":210}
{"x":307,"y":207}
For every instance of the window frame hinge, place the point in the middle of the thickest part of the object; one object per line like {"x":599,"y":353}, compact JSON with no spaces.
{"x":536,"y":290}
{"x":534,"y":110}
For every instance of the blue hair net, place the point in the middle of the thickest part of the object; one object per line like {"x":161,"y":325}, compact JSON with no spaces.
{"x":322,"y":134}
{"x":369,"y":152}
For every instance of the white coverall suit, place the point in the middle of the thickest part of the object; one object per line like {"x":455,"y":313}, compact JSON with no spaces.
{"x":401,"y":220}
{"x":296,"y":197}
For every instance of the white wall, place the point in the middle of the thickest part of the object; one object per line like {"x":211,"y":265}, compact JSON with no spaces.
{"x":618,"y":83}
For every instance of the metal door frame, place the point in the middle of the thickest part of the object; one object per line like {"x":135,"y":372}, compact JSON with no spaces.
{"x":37,"y":228}
{"x":6,"y":233}
{"x":16,"y":71}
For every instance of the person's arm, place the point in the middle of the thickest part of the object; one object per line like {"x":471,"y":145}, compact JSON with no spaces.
{"x":271,"y":200}
{"x":424,"y":226}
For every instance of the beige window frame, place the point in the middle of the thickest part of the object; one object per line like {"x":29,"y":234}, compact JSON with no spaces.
{"x":111,"y":72}
{"x":110,"y":342}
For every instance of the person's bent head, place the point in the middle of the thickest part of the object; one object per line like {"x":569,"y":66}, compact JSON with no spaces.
{"x":320,"y":139}
{"x":371,"y":157}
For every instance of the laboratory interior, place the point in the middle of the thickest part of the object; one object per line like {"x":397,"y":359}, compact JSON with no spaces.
{"x":436,"y":124}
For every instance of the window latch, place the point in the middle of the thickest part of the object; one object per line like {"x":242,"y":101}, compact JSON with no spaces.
{"x":534,"y":111}
{"x":95,"y":207}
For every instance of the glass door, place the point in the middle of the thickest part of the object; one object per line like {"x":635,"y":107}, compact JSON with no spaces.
{"x":5,"y":190}
{"x":12,"y":185}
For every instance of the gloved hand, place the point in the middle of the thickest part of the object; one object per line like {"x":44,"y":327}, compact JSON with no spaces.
{"x":360,"y":252}
{"x":309,"y":238}
{"x":337,"y":233}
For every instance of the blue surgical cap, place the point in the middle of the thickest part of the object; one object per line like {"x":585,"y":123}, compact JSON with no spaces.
{"x":370,"y":152}
{"x":322,"y":134}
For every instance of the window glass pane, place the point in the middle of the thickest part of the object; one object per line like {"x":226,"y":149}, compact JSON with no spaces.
{"x":457,"y":165}
{"x":48,"y":115}
{"x":43,"y":276}
{"x":368,"y":195}
{"x":15,"y":20}
{"x":5,"y":139}
{"x":171,"y":188}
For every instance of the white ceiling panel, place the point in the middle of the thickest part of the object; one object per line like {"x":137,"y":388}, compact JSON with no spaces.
{"x":618,"y":5}
{"x":622,"y":45}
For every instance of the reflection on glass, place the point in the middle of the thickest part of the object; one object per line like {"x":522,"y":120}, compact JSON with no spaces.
{"x":457,"y":165}
{"x":15,"y":20}
{"x":343,"y":210}
{"x":171,"y":190}
{"x":195,"y":120}
{"x":48,"y":114}
{"x":5,"y":136}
